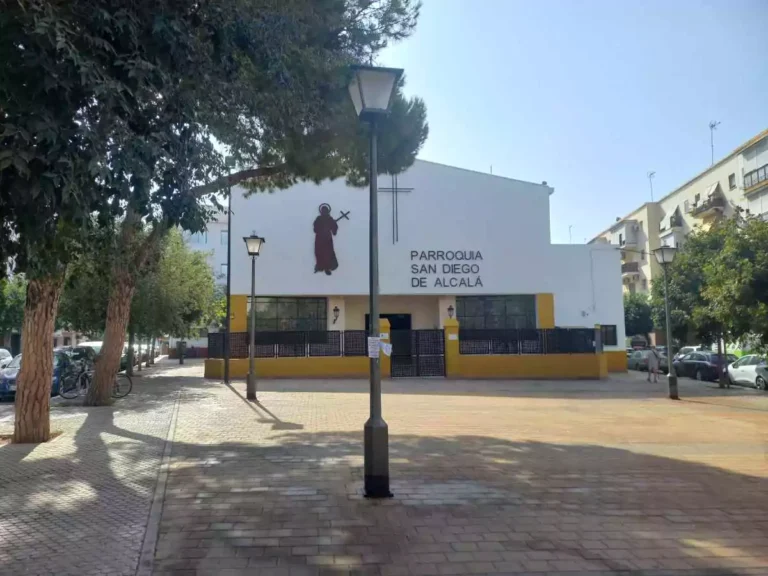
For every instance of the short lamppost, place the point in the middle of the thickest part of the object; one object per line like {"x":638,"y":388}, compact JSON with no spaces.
{"x":253,"y":245}
{"x":371,"y":89}
{"x":664,"y":256}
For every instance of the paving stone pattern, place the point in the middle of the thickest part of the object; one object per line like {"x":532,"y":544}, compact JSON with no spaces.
{"x":79,"y":504}
{"x":489,"y":478}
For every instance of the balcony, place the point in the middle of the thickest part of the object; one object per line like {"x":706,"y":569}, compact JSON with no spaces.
{"x":630,"y":270}
{"x":755,"y":180}
{"x":671,"y":224}
{"x":709,"y":206}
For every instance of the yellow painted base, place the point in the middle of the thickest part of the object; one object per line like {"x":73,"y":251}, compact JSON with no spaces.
{"x":550,"y":366}
{"x":617,"y":360}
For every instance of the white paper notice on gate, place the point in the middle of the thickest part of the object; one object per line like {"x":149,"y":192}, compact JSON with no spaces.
{"x":373,"y":346}
{"x":386,"y":348}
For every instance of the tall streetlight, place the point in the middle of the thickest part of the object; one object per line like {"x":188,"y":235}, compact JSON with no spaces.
{"x":253,"y":245}
{"x":664,"y":256}
{"x":371,"y":89}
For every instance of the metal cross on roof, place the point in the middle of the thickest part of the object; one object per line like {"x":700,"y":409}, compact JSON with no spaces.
{"x":395,"y":190}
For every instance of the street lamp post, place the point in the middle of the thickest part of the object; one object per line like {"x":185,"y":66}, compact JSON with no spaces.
{"x":371,"y":90}
{"x":253,"y":245}
{"x":665,"y":256}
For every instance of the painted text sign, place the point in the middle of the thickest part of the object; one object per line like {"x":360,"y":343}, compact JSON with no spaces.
{"x":446,"y":269}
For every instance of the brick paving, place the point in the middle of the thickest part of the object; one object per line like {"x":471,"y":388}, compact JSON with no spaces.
{"x":556,"y":478}
{"x":78,"y":505}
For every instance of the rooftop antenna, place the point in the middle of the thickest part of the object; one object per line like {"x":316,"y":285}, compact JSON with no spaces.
{"x":712,"y":127}
{"x":651,"y":175}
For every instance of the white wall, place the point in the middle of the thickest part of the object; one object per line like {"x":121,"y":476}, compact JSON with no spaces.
{"x":587,"y":287}
{"x":450,"y":209}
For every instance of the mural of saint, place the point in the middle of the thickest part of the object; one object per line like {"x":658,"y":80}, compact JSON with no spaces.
{"x":325,"y":229}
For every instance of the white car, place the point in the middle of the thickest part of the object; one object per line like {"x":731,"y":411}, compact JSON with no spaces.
{"x":5,"y":357}
{"x":745,"y":371}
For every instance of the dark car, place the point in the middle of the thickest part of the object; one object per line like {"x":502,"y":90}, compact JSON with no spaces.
{"x":61,"y":364}
{"x":703,"y":365}
{"x":638,"y":360}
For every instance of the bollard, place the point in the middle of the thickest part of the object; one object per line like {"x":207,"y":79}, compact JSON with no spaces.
{"x":181,"y":347}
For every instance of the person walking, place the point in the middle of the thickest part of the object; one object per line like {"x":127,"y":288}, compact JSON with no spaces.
{"x":653,"y":364}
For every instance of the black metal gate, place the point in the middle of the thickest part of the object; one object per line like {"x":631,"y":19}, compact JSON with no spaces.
{"x":417,"y":353}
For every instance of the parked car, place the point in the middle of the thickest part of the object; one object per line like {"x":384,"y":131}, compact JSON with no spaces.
{"x":96,"y":347}
{"x":5,"y":357}
{"x":749,"y":370}
{"x":61,"y":363}
{"x":638,"y":360}
{"x":687,"y":350}
{"x":702,"y":365}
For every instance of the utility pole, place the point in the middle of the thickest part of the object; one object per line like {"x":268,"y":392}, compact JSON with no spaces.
{"x":651,"y":175}
{"x":712,"y":127}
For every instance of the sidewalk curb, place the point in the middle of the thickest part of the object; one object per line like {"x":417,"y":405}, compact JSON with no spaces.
{"x":147,"y":556}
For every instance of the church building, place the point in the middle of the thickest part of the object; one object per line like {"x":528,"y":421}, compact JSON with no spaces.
{"x":453,"y":243}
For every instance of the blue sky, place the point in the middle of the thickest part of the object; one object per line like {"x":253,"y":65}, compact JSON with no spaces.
{"x":588,"y":95}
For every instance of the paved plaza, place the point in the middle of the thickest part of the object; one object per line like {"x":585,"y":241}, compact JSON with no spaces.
{"x":489,"y":478}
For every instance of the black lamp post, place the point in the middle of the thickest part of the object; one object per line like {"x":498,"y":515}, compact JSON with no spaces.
{"x":665,"y":255}
{"x":253,"y":245}
{"x":371,"y":90}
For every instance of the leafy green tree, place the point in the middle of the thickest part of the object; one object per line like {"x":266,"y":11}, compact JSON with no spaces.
{"x":110,"y":111}
{"x":271,"y":88}
{"x":12,"y":295}
{"x":736,"y":290}
{"x":637,"y":315}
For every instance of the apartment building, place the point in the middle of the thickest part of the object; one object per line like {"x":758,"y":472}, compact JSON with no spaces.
{"x":738,"y":181}
{"x":213,"y":241}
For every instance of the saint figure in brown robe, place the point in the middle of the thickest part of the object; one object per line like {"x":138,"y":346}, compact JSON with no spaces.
{"x":325,"y":229}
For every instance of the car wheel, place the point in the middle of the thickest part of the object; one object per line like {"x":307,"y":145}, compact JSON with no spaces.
{"x":699,"y":376}
{"x":760,"y":383}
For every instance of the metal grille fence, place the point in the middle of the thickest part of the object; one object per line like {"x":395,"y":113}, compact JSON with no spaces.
{"x":418,"y":353}
{"x":290,"y":344}
{"x":527,"y":341}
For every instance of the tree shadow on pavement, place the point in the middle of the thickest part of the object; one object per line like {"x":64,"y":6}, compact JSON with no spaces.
{"x":517,"y":506}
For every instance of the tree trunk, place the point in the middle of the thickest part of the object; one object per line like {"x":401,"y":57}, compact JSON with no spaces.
{"x":151,"y":361}
{"x":108,"y":360}
{"x":139,"y":354}
{"x":33,"y":392}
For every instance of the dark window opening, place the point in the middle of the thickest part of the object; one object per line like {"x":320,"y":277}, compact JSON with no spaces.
{"x":513,"y":311}
{"x":285,"y":314}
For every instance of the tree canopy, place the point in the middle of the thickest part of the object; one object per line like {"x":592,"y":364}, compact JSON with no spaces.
{"x":13,"y":291}
{"x":638,"y":319}
{"x":718,"y":283}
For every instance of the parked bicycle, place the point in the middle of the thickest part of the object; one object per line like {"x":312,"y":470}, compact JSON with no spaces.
{"x":77,"y":383}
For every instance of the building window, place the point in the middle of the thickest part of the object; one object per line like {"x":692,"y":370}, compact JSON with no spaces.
{"x":224,"y":237}
{"x":513,"y":311}
{"x":608,"y":332}
{"x":199,"y":238}
{"x":289,"y":314}
{"x":731,"y":181}
{"x":224,"y":269}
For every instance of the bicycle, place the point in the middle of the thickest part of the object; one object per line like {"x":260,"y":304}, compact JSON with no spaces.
{"x":69,"y":389}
